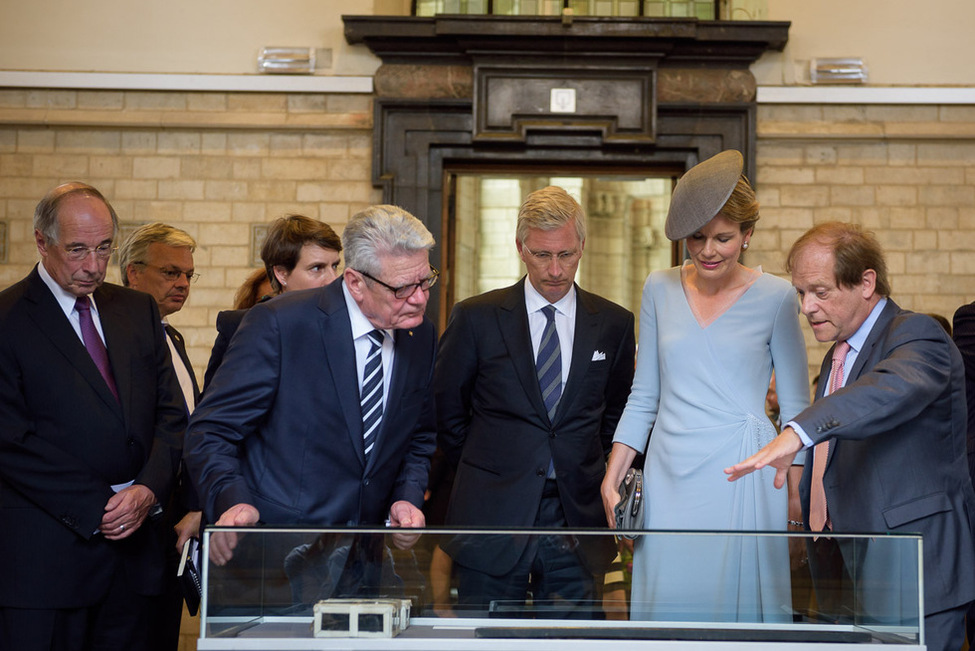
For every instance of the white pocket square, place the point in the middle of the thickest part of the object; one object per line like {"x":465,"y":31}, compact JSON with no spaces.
{"x":598,"y":356}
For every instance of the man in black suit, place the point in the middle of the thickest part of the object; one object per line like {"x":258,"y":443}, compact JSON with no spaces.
{"x":887,"y":432}
{"x":90,"y":436}
{"x":321,"y":411}
{"x":530,"y":383}
{"x":158,"y":259}
{"x":963,"y":334}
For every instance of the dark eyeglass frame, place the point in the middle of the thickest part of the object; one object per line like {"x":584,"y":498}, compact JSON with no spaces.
{"x":172,"y":275}
{"x":405,"y":291}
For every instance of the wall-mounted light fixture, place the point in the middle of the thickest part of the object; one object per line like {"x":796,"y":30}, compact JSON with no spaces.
{"x":848,"y":70}
{"x":287,"y":60}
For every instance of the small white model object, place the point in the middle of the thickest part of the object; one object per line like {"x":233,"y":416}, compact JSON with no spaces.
{"x":361,"y":617}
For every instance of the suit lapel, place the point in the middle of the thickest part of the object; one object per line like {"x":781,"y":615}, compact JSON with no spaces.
{"x":513,"y":324}
{"x":180,"y":347}
{"x":863,"y":356}
{"x":120,"y":342}
{"x":336,"y":329}
{"x":879,"y":329}
{"x":47,"y":315}
{"x":585,"y":338}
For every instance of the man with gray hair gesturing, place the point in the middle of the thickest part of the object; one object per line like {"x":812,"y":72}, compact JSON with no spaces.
{"x":321,"y":411}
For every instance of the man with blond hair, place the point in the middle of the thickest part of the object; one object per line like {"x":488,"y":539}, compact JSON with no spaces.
{"x":530,"y":383}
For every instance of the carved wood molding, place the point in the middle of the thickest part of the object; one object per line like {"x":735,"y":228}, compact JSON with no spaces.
{"x":679,"y":42}
{"x":652,"y":96}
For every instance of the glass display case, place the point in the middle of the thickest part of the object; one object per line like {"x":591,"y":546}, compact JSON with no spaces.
{"x":321,"y":588}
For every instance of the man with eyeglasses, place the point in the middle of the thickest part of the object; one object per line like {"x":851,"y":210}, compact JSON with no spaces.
{"x":321,"y":411}
{"x":158,"y":259}
{"x":530,"y":382}
{"x":91,"y":425}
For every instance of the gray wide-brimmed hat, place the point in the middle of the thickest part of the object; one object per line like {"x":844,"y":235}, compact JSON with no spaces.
{"x":701,"y":193}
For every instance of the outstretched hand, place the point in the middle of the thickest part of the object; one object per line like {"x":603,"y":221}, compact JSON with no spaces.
{"x":779,"y":454}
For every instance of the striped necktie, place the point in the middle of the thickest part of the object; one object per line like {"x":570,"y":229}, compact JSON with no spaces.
{"x":548,"y":366}
{"x":372,"y":391}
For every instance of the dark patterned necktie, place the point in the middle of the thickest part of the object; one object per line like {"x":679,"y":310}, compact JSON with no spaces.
{"x":94,"y":343}
{"x":371,"y":398}
{"x":548,"y":366}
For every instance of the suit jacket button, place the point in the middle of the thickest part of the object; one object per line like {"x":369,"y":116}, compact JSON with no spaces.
{"x":540,"y":472}
{"x":365,"y":482}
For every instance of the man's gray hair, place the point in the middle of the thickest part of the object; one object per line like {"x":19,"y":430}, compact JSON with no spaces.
{"x":46,"y":213}
{"x":379,"y":231}
{"x":135,"y":248}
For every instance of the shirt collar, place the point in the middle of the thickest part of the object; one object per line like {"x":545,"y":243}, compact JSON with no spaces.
{"x":360,"y":324}
{"x":64,"y":298}
{"x":535,"y":301}
{"x":860,"y":336}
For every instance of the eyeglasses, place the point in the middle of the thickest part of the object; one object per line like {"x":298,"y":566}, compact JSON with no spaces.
{"x":79,"y":253}
{"x":565,"y":258}
{"x":172,"y":275}
{"x":405,"y":291}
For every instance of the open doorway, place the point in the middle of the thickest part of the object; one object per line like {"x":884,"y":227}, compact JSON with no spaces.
{"x":625,"y":240}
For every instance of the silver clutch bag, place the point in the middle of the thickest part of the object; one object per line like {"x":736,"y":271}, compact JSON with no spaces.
{"x":629,"y":510}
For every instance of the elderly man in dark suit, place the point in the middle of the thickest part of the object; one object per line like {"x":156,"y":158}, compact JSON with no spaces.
{"x":158,"y":259}
{"x":889,"y":429}
{"x":530,"y":383}
{"x":91,"y":422}
{"x":321,"y":411}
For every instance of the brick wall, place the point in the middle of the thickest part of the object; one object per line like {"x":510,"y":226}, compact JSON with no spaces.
{"x":905,"y":172}
{"x":218,"y":164}
{"x":213,"y":164}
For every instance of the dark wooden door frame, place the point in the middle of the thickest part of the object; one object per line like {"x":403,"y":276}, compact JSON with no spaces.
{"x":652,"y":94}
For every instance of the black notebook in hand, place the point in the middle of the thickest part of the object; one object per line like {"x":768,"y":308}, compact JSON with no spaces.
{"x":189,"y":574}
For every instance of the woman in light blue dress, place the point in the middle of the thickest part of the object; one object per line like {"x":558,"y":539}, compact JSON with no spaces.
{"x":711,"y":332}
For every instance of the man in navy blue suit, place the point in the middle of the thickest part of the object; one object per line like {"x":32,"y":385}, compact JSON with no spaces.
{"x":321,"y":412}
{"x":894,"y":420}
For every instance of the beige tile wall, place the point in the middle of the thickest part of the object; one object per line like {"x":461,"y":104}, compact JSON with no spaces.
{"x":216,"y":164}
{"x":213,"y":164}
{"x":905,"y":172}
